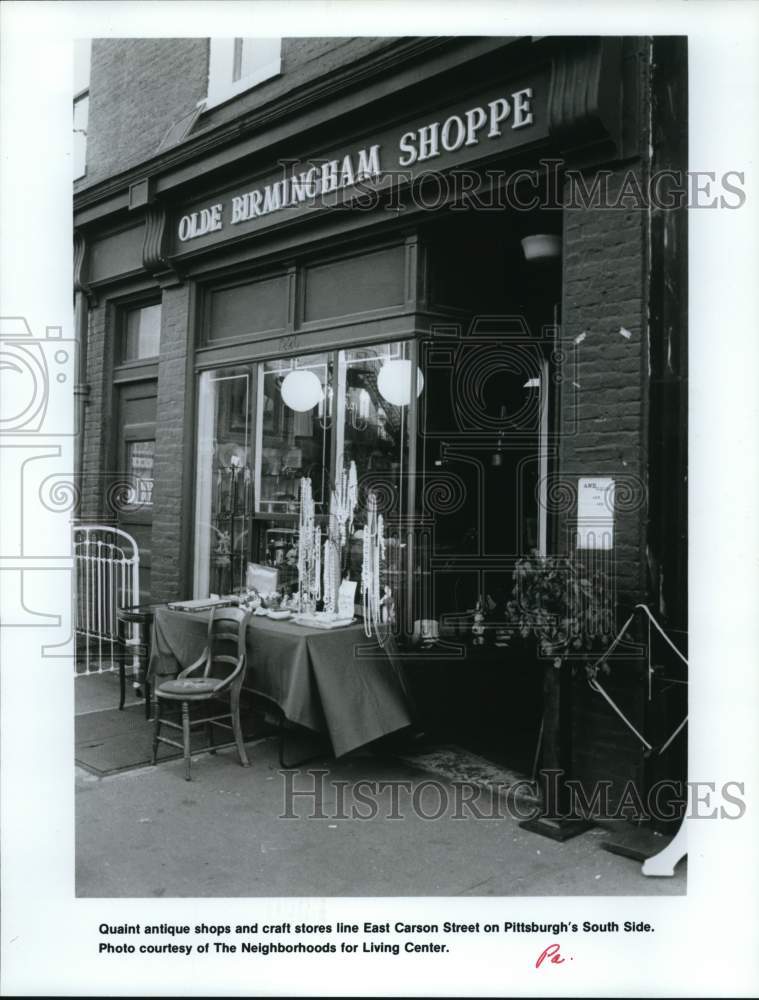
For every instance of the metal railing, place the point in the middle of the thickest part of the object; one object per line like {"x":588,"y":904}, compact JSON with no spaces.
{"x":107,"y":562}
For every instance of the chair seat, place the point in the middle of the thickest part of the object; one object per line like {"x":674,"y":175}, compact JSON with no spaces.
{"x":188,"y":686}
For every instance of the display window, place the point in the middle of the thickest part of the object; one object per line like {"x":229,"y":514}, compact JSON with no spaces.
{"x":264,"y":427}
{"x":223,"y":486}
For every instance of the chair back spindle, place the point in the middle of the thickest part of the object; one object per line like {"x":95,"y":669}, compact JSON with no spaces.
{"x":227,"y":629}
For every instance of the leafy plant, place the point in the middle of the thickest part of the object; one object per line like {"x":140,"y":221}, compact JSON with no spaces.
{"x":564,"y":608}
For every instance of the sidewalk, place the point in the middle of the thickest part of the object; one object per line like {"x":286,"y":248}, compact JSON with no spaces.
{"x":149,"y":833}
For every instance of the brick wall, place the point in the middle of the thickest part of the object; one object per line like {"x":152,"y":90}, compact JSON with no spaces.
{"x":604,"y":420}
{"x":139,"y":88}
{"x":97,"y":419}
{"x":172,"y":510}
{"x":603,"y":415}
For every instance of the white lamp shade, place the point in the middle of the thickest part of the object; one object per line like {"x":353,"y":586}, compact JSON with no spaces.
{"x":394,"y":380}
{"x":301,"y":390}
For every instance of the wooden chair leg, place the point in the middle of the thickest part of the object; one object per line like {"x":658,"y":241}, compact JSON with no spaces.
{"x":122,"y":683}
{"x":186,"y":738}
{"x":156,"y":730}
{"x":209,"y":737}
{"x":237,"y":728}
{"x":148,"y":696}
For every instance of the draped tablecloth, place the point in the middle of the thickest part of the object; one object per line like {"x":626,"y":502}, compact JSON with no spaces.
{"x":334,"y":682}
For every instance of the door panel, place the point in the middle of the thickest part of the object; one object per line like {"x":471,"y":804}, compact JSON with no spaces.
{"x":135,"y":458}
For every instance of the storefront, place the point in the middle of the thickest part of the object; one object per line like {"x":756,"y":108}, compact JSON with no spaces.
{"x":357,"y":283}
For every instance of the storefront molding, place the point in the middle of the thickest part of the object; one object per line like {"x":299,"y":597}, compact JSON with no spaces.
{"x":417,"y":272}
{"x":136,"y":371}
{"x":81,"y":266}
{"x":154,"y":255}
{"x":585,"y":101}
{"x":370,"y":330}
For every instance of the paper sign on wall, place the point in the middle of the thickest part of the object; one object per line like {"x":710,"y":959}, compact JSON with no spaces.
{"x":595,"y":513}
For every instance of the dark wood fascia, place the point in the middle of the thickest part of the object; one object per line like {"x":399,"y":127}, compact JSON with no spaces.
{"x":390,"y":71}
{"x":113,"y":281}
{"x":141,"y":292}
{"x":301,"y":237}
{"x":92,"y":212}
{"x":365,"y":329}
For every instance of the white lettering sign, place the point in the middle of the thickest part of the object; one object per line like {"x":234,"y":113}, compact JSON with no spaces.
{"x":457,"y":131}
{"x":481,"y":123}
{"x":332,"y":175}
{"x":207,"y":220}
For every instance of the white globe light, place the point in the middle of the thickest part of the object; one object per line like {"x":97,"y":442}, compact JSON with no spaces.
{"x":301,"y":390}
{"x":394,"y":380}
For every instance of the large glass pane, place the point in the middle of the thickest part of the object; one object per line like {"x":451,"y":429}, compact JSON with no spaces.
{"x":374,"y":391}
{"x":224,"y":492}
{"x":276,"y":546}
{"x":373,"y":429}
{"x":294,"y":431}
{"x":143,"y":333}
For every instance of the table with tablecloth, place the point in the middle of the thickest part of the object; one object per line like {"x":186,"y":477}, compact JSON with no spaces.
{"x":336,"y":682}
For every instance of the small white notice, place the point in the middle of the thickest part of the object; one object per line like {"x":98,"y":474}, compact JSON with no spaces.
{"x":346,"y":597}
{"x":595,"y":513}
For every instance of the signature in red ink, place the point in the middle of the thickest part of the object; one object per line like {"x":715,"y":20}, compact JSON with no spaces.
{"x":551,"y":952}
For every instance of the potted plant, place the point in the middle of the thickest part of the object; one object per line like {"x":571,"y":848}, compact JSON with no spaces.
{"x":565,"y":613}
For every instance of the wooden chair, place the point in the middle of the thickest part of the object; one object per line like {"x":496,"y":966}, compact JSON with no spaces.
{"x":223,"y":672}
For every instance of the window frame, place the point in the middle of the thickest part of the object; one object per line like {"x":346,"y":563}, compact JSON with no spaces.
{"x":247,"y":370}
{"x":121,"y":360}
{"x":322,"y":507}
{"x":221,"y":62}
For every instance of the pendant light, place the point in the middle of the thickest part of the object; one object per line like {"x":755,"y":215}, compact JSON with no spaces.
{"x":301,"y":390}
{"x":394,"y":381}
